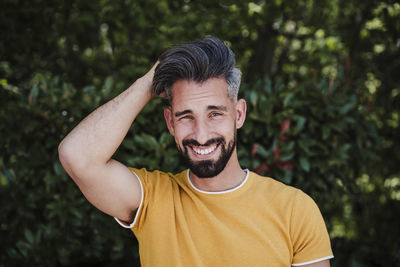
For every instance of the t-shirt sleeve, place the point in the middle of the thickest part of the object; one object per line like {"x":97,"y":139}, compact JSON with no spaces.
{"x":308,"y":232}
{"x":149,"y":183}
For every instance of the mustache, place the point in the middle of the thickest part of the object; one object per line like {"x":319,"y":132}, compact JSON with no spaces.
{"x":188,"y":142}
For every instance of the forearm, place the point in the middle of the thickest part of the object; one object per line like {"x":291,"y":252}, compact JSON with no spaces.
{"x":97,"y":137}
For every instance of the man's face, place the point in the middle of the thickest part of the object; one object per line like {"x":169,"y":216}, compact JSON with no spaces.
{"x":204,"y":121}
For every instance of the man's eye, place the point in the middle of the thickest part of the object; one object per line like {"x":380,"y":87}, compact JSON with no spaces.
{"x":187,"y":117}
{"x":215,"y":114}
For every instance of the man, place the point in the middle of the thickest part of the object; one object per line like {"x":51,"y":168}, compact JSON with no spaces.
{"x":215,"y":213}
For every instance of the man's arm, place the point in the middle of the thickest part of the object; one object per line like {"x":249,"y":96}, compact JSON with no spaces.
{"x":86,"y":152}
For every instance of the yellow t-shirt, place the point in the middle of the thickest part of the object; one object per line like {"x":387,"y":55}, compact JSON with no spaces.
{"x":262,"y":222}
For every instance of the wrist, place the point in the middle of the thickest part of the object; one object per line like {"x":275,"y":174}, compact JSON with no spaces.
{"x":143,"y":84}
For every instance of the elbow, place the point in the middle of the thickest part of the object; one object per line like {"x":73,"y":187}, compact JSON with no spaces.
{"x":65,"y":156}
{"x":69,"y":159}
{"x":63,"y":153}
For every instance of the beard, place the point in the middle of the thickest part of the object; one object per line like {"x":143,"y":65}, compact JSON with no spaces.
{"x":208,"y":168}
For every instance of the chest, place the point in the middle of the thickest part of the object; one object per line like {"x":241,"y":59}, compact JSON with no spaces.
{"x":242,"y":231}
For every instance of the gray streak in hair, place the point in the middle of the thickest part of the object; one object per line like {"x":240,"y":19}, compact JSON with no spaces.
{"x":197,"y":61}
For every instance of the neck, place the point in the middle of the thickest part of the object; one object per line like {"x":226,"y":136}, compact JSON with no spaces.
{"x":232,"y":176}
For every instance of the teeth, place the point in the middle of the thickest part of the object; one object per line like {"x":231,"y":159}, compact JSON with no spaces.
{"x":204,"y":151}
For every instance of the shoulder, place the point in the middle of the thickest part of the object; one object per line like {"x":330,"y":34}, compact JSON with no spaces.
{"x":274,"y":187}
{"x":157,"y":177}
{"x":284,"y":196}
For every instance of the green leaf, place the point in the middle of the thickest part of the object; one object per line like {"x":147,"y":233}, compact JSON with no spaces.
{"x":253,"y":98}
{"x":58,"y":169}
{"x":268,"y":86}
{"x":34,"y":94}
{"x":305,"y":165}
{"x":287,"y":99}
{"x":108,"y":84}
{"x":300,"y":123}
{"x":304,"y":145}
{"x":262,"y":151}
{"x":151,"y":142}
{"x":286,"y":157}
{"x":325,"y":132}
{"x":348,"y":106}
{"x":29,"y":236}
{"x":165,"y":138}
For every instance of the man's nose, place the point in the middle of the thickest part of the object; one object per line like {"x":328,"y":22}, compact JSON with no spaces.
{"x":201,"y":132}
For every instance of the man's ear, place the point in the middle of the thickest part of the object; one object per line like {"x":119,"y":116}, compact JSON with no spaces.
{"x":240,"y":112}
{"x":168,"y":120}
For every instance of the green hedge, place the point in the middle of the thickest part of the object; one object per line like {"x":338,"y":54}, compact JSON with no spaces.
{"x":314,"y":134}
{"x":320,"y":79}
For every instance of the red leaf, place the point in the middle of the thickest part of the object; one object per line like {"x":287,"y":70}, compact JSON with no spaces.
{"x":348,"y":62}
{"x":285,"y":126}
{"x":285,"y":165}
{"x":254,"y":150}
{"x":283,"y":138}
{"x":263,"y":167}
{"x":331,"y":82}
{"x":368,"y":106}
{"x":314,"y":73}
{"x":276,"y":152}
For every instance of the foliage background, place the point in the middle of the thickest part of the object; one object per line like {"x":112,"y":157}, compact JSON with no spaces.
{"x":321,"y":79}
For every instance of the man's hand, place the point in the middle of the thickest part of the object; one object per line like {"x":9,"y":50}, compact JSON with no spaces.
{"x":86,"y":152}
{"x":148,"y":77}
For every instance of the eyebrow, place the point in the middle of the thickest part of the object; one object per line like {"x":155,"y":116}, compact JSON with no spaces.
{"x":180,"y":113}
{"x":222,"y":108}
{"x":188,"y":111}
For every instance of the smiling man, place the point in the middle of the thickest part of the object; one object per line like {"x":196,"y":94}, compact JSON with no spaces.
{"x":214,"y":213}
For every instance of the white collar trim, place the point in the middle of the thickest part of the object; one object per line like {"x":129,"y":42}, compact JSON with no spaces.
{"x":218,"y":192}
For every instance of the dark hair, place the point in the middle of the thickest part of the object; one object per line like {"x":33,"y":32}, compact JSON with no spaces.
{"x":197,"y":61}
